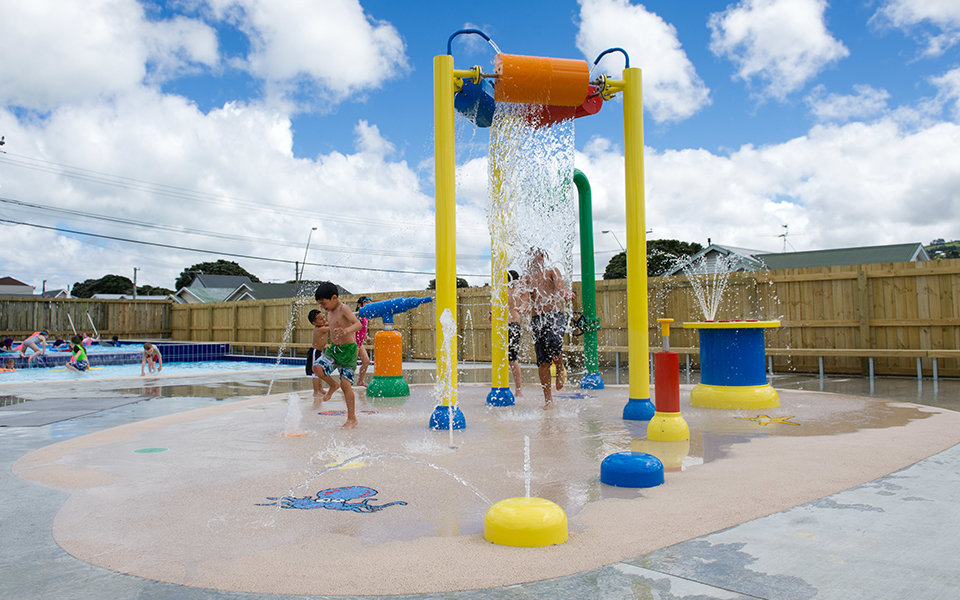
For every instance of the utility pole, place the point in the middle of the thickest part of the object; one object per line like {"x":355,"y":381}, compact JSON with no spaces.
{"x":135,"y":269}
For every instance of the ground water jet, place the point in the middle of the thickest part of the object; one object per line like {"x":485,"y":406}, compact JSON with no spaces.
{"x":294,"y":416}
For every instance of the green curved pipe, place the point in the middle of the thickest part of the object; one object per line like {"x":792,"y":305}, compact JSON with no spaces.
{"x":588,"y":275}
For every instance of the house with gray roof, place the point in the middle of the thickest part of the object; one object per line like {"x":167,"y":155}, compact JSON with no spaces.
{"x":862,"y":255}
{"x":742,"y":259}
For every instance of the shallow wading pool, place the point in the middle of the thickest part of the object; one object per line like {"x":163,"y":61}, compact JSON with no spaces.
{"x":133,"y":370}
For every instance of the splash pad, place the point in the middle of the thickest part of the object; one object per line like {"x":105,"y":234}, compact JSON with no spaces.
{"x":209,"y":512}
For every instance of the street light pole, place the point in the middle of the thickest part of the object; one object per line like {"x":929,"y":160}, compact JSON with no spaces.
{"x":303,"y":266}
{"x":622,"y":249}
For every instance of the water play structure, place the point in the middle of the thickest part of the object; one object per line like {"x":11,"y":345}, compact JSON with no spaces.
{"x":388,"y":381}
{"x":667,"y":424}
{"x":732,"y":372}
{"x":559,"y":90}
{"x":562,"y":89}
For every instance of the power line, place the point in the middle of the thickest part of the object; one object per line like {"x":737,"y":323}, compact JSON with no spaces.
{"x":43,"y":166}
{"x":233,"y":254}
{"x":224,"y":236}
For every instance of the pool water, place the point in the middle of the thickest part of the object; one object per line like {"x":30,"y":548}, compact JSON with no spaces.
{"x":133,"y":370}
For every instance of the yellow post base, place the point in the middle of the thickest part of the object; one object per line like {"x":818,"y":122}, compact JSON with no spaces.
{"x":668,"y":427}
{"x":525,"y":522}
{"x":671,"y":454}
{"x":734,"y":396}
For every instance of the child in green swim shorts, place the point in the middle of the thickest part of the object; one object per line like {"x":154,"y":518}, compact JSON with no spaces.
{"x":341,"y":354}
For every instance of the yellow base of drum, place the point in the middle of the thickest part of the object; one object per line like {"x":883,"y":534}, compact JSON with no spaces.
{"x":668,"y":427}
{"x":526,"y":522}
{"x":734,"y":396}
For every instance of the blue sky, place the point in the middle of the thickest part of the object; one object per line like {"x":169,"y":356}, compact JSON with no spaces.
{"x":234,"y":126}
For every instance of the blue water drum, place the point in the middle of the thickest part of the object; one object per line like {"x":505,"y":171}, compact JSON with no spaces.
{"x":732,"y":370}
{"x":732,"y":357}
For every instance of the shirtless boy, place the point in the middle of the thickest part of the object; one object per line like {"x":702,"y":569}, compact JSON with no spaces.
{"x":320,"y":335}
{"x":544,"y":293}
{"x":341,"y":354}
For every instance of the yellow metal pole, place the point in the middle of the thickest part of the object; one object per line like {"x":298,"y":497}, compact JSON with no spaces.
{"x":501,"y":377}
{"x":638,"y":407}
{"x":446,"y":229}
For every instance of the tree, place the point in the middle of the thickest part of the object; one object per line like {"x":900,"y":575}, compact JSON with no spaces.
{"x":940,"y":249}
{"x":221,"y":267}
{"x":108,"y":284}
{"x":149,"y":290}
{"x":662,"y":255}
{"x":461,"y":283}
{"x":617,"y":267}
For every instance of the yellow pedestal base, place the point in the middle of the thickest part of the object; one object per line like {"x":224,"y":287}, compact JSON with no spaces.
{"x":671,"y":454}
{"x":734,"y":396}
{"x":668,"y":427}
{"x":527,"y":522}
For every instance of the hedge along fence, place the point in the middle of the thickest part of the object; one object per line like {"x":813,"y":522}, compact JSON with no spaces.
{"x":847,"y":311}
{"x":144,"y":319}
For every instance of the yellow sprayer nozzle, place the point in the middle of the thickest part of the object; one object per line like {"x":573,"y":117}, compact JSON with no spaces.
{"x":665,"y":326}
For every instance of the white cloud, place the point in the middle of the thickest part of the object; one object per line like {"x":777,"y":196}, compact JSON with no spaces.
{"x":838,"y":186}
{"x":948,"y":85}
{"x":910,"y":15}
{"x":867,"y":102}
{"x":333,"y":45}
{"x":784,"y":43}
{"x":672,"y":89}
{"x":231,"y":171}
{"x":72,"y":52}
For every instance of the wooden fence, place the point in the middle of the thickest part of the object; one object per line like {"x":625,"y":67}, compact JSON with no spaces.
{"x":849,"y":313}
{"x":127,"y":319}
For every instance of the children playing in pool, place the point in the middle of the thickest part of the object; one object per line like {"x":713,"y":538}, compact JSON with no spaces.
{"x":78,"y":362}
{"x":38,"y":337}
{"x":320,"y":334}
{"x":341,"y":354}
{"x":151,"y":358}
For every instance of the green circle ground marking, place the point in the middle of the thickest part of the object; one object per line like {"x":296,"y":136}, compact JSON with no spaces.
{"x":150,"y":450}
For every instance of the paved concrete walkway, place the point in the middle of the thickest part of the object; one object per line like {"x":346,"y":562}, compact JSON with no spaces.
{"x":894,"y":537}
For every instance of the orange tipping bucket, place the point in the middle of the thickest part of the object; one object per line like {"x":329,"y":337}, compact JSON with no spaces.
{"x":540,"y":80}
{"x":388,"y":351}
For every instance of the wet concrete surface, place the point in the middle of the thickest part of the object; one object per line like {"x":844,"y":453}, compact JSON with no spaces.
{"x":735,"y":556}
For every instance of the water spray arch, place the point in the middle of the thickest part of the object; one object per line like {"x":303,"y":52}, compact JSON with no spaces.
{"x":563,"y":88}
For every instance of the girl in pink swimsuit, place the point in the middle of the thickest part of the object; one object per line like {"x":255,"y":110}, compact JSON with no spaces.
{"x":361,"y":338}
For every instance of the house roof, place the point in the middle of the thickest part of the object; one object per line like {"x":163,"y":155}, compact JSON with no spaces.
{"x":201,"y":294}
{"x":218,"y":281}
{"x":61,"y":293}
{"x":705,"y":261}
{"x":263,"y":291}
{"x":845,"y":256}
{"x":744,"y":259}
{"x":12,"y":281}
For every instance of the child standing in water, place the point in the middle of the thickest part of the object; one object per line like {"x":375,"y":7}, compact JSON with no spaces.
{"x":320,"y":334}
{"x":151,"y":358}
{"x":78,"y":362}
{"x":361,"y":339}
{"x":341,"y":354}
